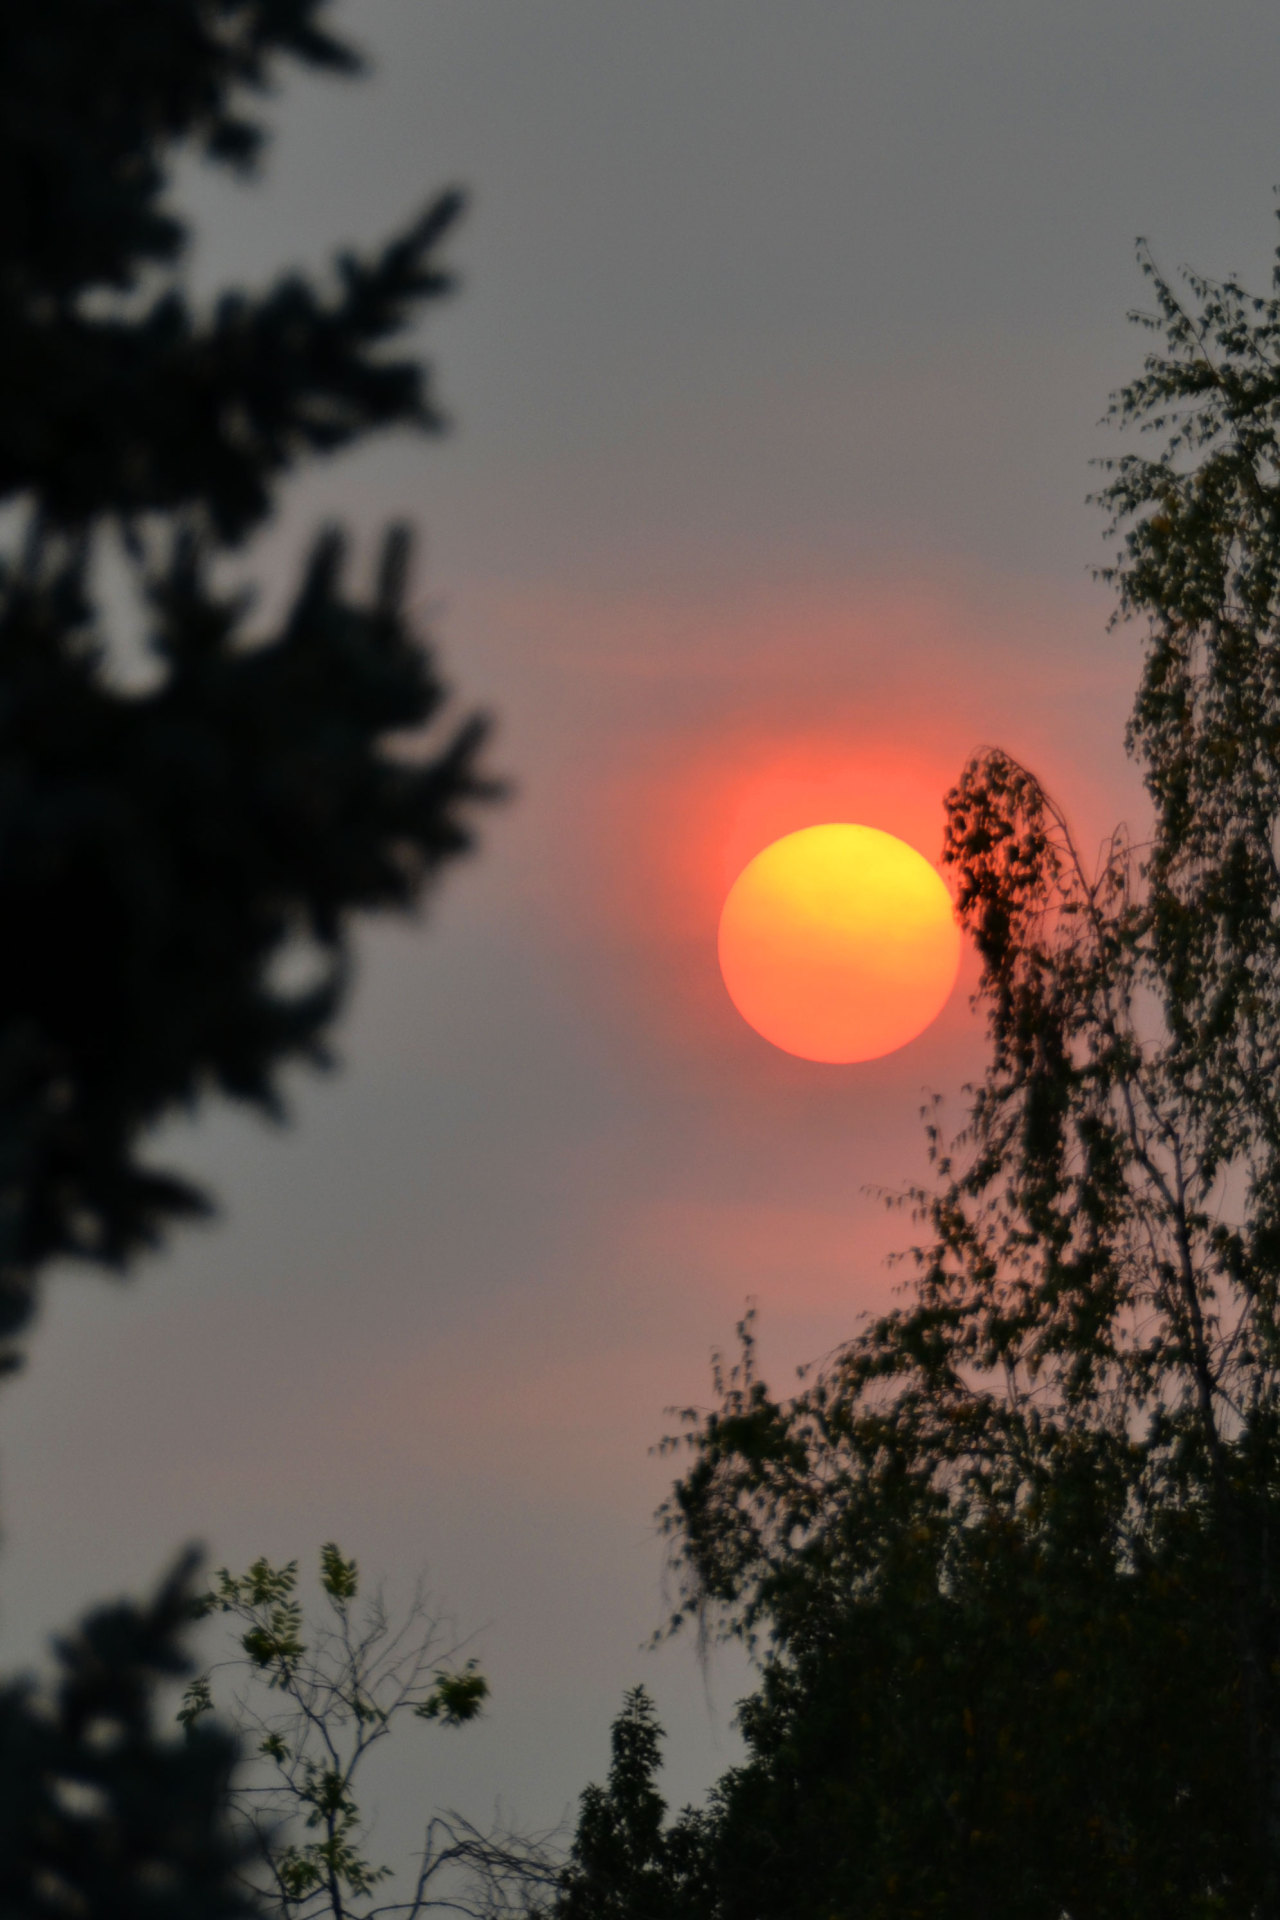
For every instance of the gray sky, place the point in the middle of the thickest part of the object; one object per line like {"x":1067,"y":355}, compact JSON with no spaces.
{"x":783,"y":340}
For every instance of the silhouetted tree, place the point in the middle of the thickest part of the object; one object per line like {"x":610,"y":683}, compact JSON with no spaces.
{"x":159,"y":851}
{"x":101,"y":1813}
{"x":162,"y":851}
{"x":625,"y":1863}
{"x":1009,"y":1563}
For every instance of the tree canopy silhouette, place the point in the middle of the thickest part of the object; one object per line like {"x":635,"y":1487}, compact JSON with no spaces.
{"x":160,"y":851}
{"x":1009,"y":1562}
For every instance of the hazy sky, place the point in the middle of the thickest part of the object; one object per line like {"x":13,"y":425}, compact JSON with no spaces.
{"x":784,"y":336}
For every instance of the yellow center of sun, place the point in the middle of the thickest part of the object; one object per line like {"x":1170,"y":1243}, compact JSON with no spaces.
{"x":839,"y":943}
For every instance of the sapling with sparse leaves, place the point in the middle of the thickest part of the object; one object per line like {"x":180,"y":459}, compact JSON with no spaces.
{"x":314,"y":1699}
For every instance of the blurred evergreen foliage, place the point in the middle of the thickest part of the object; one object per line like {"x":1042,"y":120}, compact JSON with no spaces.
{"x":161,"y":851}
{"x":102,"y":1815}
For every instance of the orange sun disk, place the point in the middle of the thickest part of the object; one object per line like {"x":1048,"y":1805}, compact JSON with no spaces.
{"x":839,"y":943}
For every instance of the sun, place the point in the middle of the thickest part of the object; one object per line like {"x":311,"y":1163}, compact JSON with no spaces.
{"x":839,"y":943}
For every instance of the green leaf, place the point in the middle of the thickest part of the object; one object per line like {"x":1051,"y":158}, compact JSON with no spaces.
{"x":455,"y":1697}
{"x":338,"y":1577}
{"x":196,"y":1700}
